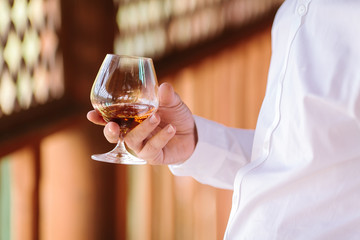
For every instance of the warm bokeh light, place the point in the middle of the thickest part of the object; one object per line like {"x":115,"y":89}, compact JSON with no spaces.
{"x":155,"y":28}
{"x":29,"y":54}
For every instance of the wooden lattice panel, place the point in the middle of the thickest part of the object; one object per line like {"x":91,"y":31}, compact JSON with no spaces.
{"x":31,"y":67}
{"x":154,"y":28}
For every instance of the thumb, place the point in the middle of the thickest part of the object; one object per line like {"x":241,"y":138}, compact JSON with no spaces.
{"x":167,"y":96}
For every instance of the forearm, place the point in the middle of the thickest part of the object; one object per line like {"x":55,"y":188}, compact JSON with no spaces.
{"x":219,"y":153}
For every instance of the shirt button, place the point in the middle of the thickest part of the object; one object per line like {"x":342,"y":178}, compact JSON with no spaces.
{"x":235,"y":198}
{"x":301,"y":10}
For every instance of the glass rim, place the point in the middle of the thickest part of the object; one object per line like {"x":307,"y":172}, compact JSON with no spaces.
{"x":128,"y":56}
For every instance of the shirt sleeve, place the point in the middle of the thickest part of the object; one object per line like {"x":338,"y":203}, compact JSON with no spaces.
{"x":220,"y":152}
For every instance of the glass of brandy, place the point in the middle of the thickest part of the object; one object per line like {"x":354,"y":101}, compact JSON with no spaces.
{"x":124,"y":91}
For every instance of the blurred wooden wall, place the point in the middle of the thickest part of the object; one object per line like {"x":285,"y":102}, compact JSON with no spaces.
{"x":58,"y":192}
{"x":227,"y":86}
{"x":53,"y":188}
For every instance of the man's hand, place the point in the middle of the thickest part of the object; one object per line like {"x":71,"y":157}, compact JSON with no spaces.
{"x":167,"y":137}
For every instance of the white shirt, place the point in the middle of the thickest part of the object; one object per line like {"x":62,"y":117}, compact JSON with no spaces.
{"x":297,"y":176}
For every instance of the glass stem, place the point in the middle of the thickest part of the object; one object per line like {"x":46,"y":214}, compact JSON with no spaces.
{"x":120,"y":148}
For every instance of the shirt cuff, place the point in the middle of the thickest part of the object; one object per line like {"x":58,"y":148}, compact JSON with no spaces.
{"x":198,"y":165}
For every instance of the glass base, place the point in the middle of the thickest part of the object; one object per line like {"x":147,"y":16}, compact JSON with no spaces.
{"x":119,"y":155}
{"x":118,"y":158}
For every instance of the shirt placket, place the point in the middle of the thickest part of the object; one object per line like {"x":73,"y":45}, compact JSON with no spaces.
{"x":300,"y":11}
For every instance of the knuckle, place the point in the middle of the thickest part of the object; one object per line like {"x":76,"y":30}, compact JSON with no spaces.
{"x":153,"y":158}
{"x":131,"y":142}
{"x":135,"y":142}
{"x":151,"y":148}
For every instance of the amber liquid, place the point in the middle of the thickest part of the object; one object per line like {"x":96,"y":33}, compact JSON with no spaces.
{"x":128,"y":116}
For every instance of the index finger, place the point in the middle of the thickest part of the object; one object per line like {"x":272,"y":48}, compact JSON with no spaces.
{"x":96,"y":118}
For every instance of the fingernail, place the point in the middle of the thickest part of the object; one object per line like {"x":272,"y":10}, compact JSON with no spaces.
{"x":171,"y":129}
{"x":111,"y":130}
{"x":154,"y":119}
